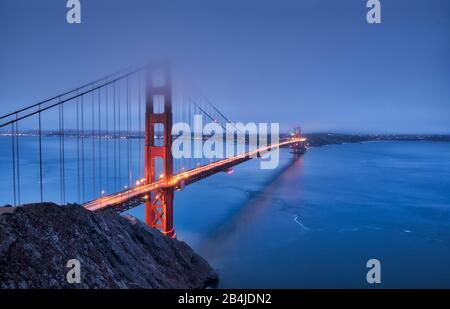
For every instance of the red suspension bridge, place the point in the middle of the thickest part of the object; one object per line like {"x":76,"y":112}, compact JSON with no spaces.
{"x":105,"y":160}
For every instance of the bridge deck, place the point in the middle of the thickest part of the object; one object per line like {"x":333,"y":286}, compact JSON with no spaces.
{"x":135,"y":196}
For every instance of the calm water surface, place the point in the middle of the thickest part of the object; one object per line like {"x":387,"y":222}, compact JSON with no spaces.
{"x":317,"y":219}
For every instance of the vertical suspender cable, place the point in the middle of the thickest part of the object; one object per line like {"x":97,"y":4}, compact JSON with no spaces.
{"x":130,"y":175}
{"x":115,"y":141}
{"x":78,"y":152}
{"x":93,"y":146}
{"x":17,"y":161}
{"x":107,"y":141}
{"x":139,"y":126}
{"x":13,"y":144}
{"x":120,"y":138}
{"x":63,"y":155}
{"x":40,"y":157}
{"x":60,"y":154}
{"x":99,"y":143}
{"x":82,"y":148}
{"x":131,"y":140}
{"x":192,"y":131}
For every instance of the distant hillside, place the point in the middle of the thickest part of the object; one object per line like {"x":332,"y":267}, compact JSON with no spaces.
{"x":320,"y":139}
{"x":37,"y":240}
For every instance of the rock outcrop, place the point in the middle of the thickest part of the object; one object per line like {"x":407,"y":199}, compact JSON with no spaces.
{"x":37,"y":241}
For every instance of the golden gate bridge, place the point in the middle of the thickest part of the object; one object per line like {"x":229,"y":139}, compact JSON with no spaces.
{"x":105,"y":160}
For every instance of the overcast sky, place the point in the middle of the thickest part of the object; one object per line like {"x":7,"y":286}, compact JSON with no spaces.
{"x":317,"y":63}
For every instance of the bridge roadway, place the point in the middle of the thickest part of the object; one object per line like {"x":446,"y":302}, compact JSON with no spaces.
{"x":135,"y":196}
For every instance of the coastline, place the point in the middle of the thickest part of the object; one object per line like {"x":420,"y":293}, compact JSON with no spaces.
{"x":113,"y":251}
{"x":322,"y":139}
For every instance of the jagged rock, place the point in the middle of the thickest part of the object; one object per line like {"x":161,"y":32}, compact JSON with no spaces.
{"x":37,"y":240}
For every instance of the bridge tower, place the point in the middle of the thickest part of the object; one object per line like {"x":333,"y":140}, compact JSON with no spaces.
{"x":158,"y":117}
{"x":299,"y":147}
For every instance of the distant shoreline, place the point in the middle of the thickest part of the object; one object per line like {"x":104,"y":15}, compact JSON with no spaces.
{"x":313,"y":139}
{"x":322,"y":139}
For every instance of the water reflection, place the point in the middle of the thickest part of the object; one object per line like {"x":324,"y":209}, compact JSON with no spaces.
{"x":224,"y":236}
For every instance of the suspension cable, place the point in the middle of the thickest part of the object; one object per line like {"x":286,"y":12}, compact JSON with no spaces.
{"x":121,"y":74}
{"x":60,"y":155}
{"x":128,"y":133}
{"x":107,"y":141}
{"x":93,"y":146}
{"x":78,"y":152}
{"x":139,"y":127}
{"x":99,"y":142}
{"x":63,"y":155}
{"x":40,"y":158}
{"x":115,"y":141}
{"x":13,"y":144}
{"x":120,"y":138}
{"x":82,"y":149}
{"x":17,"y":162}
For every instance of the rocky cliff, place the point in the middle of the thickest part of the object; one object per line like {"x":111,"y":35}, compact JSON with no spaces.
{"x":37,"y":241}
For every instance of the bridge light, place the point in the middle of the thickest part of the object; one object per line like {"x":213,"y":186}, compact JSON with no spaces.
{"x":145,"y":197}
{"x":103,"y":192}
{"x":161,"y":176}
{"x":138,"y":182}
{"x":125,"y":187}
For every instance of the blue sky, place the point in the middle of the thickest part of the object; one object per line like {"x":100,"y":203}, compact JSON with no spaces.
{"x":317,"y":63}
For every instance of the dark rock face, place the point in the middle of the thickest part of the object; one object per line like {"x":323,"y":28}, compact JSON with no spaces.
{"x":37,"y":241}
